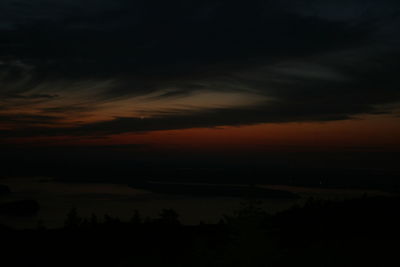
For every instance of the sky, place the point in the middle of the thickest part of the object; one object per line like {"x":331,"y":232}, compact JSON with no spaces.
{"x":201,"y":76}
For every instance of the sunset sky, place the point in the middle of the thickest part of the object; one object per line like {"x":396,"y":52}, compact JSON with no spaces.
{"x":201,"y":76}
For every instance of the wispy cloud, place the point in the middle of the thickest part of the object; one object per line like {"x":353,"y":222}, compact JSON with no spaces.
{"x":123,"y":66}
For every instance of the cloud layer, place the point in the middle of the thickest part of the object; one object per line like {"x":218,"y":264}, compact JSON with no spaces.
{"x":108,"y":67}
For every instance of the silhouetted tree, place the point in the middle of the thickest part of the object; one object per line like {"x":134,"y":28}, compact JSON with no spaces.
{"x":40,"y":225}
{"x":108,"y":220}
{"x":169,"y":216}
{"x":93,"y":220}
{"x":85,"y":223}
{"x":136,"y":219}
{"x":73,"y":220}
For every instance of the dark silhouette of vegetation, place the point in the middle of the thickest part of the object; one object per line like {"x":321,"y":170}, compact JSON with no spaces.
{"x":168,"y":217}
{"x":359,"y":232}
{"x":136,"y":219}
{"x":73,"y":220}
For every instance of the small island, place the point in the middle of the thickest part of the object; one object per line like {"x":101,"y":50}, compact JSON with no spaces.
{"x":26,"y":207}
{"x":4,"y":190}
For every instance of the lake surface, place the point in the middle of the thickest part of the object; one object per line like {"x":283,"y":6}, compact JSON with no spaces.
{"x":57,"y":198}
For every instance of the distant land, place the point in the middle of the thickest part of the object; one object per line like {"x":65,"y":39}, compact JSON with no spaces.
{"x":212,"y":190}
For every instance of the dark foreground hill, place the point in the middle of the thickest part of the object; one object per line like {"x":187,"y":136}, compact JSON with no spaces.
{"x":360,"y":232}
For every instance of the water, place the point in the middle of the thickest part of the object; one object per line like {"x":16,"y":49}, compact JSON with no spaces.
{"x":56,"y":199}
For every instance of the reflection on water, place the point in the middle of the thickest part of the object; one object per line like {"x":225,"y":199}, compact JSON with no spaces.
{"x":56,"y":199}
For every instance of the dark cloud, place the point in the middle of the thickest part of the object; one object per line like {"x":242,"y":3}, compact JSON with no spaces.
{"x":310,"y":60}
{"x":66,"y":109}
{"x":33,"y":96}
{"x":169,"y":38}
{"x":29,"y":119}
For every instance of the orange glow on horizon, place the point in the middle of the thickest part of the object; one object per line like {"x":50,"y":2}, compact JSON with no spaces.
{"x":369,"y":132}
